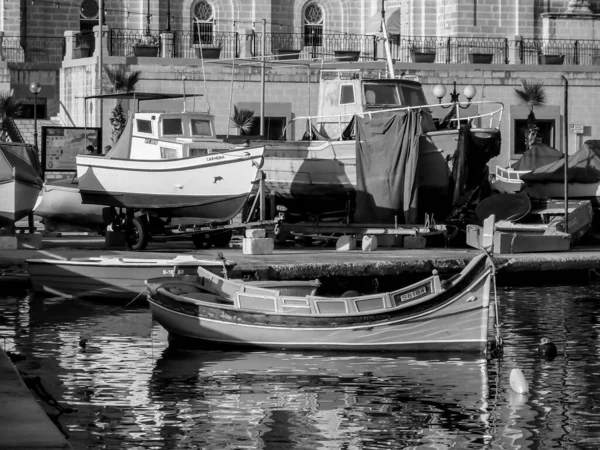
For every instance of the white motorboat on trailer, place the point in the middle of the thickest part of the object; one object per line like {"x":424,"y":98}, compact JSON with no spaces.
{"x":169,"y":165}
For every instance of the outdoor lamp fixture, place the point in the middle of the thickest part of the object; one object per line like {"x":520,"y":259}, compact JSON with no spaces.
{"x":469,"y":92}
{"x":35,"y":89}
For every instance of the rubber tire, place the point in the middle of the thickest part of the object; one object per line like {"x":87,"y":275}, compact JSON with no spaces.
{"x":137,"y":234}
{"x":221,"y":239}
{"x":200,"y":241}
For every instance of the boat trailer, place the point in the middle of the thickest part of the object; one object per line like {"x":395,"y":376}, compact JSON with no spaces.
{"x":143,"y":226}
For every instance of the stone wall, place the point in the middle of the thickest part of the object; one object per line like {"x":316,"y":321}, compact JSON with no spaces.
{"x":287,"y":89}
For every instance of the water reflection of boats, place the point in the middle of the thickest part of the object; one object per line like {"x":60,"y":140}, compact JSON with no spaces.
{"x":430,"y":315}
{"x":294,"y":398}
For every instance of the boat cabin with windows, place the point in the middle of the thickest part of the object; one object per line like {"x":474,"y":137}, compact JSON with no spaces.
{"x":345,"y":93}
{"x":172,"y":135}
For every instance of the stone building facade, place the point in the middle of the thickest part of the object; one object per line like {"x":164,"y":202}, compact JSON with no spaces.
{"x":293,"y":92}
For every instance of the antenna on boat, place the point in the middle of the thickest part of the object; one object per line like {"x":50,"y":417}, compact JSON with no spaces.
{"x":231,"y":93}
{"x":202,"y":63}
{"x":183,"y":79}
{"x":386,"y":42}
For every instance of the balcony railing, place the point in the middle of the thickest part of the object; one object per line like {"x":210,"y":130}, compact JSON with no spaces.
{"x":449,"y":50}
{"x":33,"y":49}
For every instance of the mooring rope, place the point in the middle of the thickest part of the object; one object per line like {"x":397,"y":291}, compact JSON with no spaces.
{"x":136,"y":297}
{"x":35,"y":384}
{"x":498,"y":338}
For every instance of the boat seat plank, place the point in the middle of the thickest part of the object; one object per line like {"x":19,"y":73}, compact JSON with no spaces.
{"x":204,"y":297}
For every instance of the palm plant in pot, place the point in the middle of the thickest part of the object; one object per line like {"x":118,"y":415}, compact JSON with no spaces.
{"x":242,"y":119}
{"x":10,"y":108}
{"x":533,"y":95}
{"x":120,"y":80}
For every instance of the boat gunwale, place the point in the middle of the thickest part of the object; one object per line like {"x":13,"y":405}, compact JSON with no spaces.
{"x":425,"y":305}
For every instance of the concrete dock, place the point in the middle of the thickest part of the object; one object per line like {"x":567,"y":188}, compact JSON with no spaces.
{"x":312,"y":262}
{"x":23,"y":422}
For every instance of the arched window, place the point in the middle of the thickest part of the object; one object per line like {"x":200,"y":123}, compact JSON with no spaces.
{"x":88,"y":19}
{"x":313,"y":25}
{"x":204,"y":22}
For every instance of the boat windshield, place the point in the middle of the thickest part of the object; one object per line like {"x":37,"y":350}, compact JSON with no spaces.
{"x":201,"y":127}
{"x":413,"y":95}
{"x":172,"y":127}
{"x":382,"y":94}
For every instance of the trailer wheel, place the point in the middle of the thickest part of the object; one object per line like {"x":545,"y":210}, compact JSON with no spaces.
{"x":136,"y":234}
{"x":201,"y":241}
{"x":221,"y":238}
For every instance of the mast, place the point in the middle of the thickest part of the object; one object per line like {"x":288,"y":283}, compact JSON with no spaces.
{"x":386,"y":42}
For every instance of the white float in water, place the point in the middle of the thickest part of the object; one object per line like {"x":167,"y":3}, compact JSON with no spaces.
{"x":518,"y":383}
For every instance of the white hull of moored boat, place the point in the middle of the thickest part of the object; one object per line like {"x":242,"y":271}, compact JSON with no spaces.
{"x":17,"y":199}
{"x":213,"y":186}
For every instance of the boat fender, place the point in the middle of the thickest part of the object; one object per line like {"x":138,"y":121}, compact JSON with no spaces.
{"x":518,"y":383}
{"x":547,"y":349}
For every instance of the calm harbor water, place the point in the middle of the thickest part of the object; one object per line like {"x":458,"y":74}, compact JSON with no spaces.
{"x":130,"y":390}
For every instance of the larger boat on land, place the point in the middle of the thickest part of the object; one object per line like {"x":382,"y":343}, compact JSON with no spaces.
{"x":165,"y":166}
{"x":369,"y":131}
{"x":21,"y":181}
{"x":431,"y":315}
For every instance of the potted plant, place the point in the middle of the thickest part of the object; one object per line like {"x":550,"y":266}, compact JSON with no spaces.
{"x":242,"y":119}
{"x":146,"y":46}
{"x":551,"y":59}
{"x":82,"y":50}
{"x":481,"y":58}
{"x":287,"y":53}
{"x":422,"y":54}
{"x":346,"y":55}
{"x":212,"y":52}
{"x":547,"y":55}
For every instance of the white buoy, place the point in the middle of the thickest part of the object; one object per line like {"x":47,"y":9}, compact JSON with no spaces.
{"x":518,"y":383}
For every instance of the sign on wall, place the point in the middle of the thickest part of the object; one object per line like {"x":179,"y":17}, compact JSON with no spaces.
{"x":576,"y":128}
{"x":60,"y":145}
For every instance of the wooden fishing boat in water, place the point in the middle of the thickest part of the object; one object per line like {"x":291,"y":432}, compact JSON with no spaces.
{"x":111,"y":277}
{"x":21,"y":181}
{"x":431,"y":315}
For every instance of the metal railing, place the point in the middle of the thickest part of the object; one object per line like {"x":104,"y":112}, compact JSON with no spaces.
{"x":334,"y":125}
{"x":330,"y":47}
{"x":33,"y":49}
{"x":184,"y":44}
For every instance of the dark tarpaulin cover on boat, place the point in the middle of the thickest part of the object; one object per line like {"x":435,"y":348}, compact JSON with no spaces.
{"x":122,"y":148}
{"x":584,"y":167}
{"x":537,"y":156}
{"x":469,"y":162}
{"x":387,"y":150}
